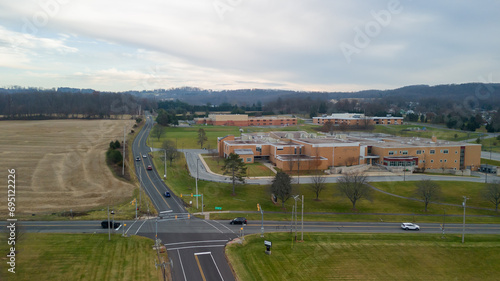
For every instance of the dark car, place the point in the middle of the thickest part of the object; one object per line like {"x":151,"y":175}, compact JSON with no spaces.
{"x":106,"y":224}
{"x":167,"y":194}
{"x":239,"y":220}
{"x":150,"y":168}
{"x":138,"y":158}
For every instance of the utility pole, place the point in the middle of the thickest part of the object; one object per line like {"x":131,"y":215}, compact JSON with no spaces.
{"x":259,"y":208}
{"x":109,"y":227}
{"x":165,"y":175}
{"x":463,"y":227}
{"x":197,"y":160}
{"x":140,"y":192}
{"x":302,"y":235}
{"x":296,"y":197}
{"x":123,"y":162}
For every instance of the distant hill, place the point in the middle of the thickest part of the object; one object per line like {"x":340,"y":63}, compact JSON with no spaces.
{"x":475,"y":92}
{"x":482,"y":92}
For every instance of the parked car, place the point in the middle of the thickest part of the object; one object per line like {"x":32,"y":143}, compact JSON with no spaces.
{"x":105,"y":224}
{"x":167,"y":194}
{"x":239,"y":220}
{"x":409,"y":226}
{"x":150,"y":168}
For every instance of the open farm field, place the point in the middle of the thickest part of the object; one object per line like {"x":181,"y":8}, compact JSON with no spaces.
{"x":60,"y":164}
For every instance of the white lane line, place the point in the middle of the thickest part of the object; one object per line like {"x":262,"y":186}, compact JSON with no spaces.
{"x":194,"y":247}
{"x":213,"y":226}
{"x":203,"y":253}
{"x":216,"y":267}
{"x":182,"y":266}
{"x":191,"y":242}
{"x":141,"y":226}
{"x":225,"y":227}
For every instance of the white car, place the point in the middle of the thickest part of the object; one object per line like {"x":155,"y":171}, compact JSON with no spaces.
{"x":144,"y":156}
{"x":409,"y":226}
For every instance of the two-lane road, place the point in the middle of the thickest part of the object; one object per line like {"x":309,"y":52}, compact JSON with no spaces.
{"x":190,"y":262}
{"x":151,"y":182}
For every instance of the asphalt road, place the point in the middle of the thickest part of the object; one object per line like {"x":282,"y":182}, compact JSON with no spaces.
{"x":186,"y":233}
{"x":196,"y":246}
{"x":197,"y":169}
{"x":198,"y":261}
{"x":152,"y":184}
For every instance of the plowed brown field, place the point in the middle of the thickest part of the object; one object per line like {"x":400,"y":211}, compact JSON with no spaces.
{"x":60,"y":164}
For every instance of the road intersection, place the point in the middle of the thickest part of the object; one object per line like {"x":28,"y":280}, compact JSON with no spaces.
{"x":196,"y":246}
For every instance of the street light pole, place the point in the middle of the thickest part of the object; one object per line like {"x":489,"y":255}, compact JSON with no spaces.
{"x":197,"y":160}
{"x":302,"y":235}
{"x":109,"y":227}
{"x":463,"y":227}
{"x":165,"y":175}
{"x":296,"y":197}
{"x":123,"y":162}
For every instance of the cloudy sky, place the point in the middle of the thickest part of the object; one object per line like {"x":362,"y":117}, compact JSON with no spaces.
{"x":316,"y":45}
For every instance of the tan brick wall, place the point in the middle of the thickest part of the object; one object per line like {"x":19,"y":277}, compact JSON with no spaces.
{"x":230,"y":117}
{"x":221,"y":145}
{"x":473,"y":156}
{"x":438,"y":160}
{"x":346,"y":156}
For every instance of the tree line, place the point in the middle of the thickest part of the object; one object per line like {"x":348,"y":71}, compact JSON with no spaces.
{"x":30,"y":104}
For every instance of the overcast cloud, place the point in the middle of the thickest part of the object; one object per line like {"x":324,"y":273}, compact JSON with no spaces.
{"x":316,"y":45}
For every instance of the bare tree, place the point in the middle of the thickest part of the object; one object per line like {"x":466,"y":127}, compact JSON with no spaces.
{"x":213,"y":153}
{"x":202,"y":137}
{"x":351,"y":161}
{"x":157,"y":131}
{"x":492,"y":193}
{"x":328,"y":127}
{"x":318,"y":183}
{"x":170,"y":150}
{"x":281,"y":187}
{"x":427,"y":190}
{"x":343,"y":126}
{"x":354,"y":187}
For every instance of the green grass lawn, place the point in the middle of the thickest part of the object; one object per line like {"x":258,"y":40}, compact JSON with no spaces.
{"x":247,"y":197}
{"x":452,"y":192}
{"x":490,"y":144}
{"x":253,"y":170}
{"x":327,"y":256}
{"x":441,"y":134}
{"x":186,"y":137}
{"x":82,"y":257}
{"x":490,"y":162}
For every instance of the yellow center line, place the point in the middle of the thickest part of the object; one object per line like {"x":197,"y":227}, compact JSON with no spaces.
{"x":144,"y":165}
{"x":201,"y":270}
